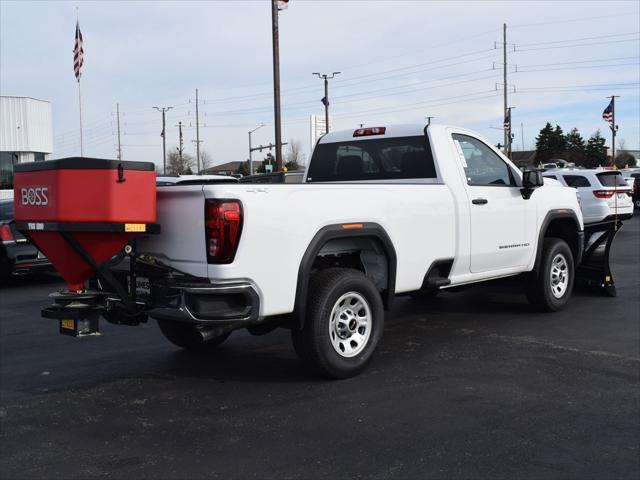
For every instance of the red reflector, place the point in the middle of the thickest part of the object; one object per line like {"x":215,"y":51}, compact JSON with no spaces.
{"x":363,"y":132}
{"x":223,"y":224}
{"x":6,"y":235}
{"x":603,"y":193}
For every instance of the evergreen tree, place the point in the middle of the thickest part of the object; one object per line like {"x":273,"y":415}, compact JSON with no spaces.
{"x":558,"y":143}
{"x":243,"y":169}
{"x":596,"y":151}
{"x":544,"y":142}
{"x":575,"y":147}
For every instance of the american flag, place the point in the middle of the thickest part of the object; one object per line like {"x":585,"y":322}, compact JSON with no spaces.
{"x":78,"y":52}
{"x":507,"y":120}
{"x":608,"y":112}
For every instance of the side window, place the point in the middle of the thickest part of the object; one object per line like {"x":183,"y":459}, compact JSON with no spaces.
{"x":482,"y":166}
{"x":576,"y":181}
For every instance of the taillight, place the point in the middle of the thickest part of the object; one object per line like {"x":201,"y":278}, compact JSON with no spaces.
{"x":223,"y":224}
{"x":364,"y":132}
{"x":603,"y":193}
{"x":6,"y":235}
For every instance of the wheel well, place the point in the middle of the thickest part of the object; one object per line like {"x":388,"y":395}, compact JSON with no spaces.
{"x":567,"y":230}
{"x":367,"y":249}
{"x":365,"y":254}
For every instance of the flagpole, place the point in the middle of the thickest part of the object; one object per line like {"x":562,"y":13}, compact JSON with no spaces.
{"x":80,"y":110}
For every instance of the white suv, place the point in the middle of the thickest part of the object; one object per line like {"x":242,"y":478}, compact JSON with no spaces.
{"x":603,"y":193}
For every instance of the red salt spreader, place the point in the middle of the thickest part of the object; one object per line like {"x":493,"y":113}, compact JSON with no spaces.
{"x":83,"y":214}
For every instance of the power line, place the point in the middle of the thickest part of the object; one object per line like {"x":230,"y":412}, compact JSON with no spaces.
{"x":578,"y":39}
{"x":575,"y":68}
{"x":580,"y":61}
{"x":577,"y":45}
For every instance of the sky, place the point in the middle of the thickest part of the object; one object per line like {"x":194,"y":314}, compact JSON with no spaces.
{"x":400,"y":61}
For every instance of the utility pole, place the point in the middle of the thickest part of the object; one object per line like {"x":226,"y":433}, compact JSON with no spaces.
{"x":325,"y":99}
{"x":118,"y":120}
{"x":180,"y":147}
{"x":613,"y":128}
{"x":276,"y":83}
{"x":507,"y":129}
{"x":197,"y":136}
{"x":251,"y":150}
{"x":164,"y":138}
{"x":504,"y":86}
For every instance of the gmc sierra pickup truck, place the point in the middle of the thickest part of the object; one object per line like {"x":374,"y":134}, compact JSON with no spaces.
{"x":381,"y":212}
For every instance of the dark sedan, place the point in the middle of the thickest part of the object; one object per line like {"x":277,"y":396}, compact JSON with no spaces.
{"x":17,"y":254}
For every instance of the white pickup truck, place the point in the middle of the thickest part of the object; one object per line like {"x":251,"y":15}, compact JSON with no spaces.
{"x":382,"y":212}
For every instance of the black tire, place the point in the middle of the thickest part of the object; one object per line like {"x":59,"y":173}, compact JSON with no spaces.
{"x":540,"y":287}
{"x":188,"y":337}
{"x":314,"y":344}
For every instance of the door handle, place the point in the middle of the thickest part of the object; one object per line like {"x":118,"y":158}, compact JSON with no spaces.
{"x":479,"y":201}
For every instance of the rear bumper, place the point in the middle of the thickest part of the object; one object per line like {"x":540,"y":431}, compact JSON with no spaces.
{"x":21,"y":257}
{"x":234,"y":304}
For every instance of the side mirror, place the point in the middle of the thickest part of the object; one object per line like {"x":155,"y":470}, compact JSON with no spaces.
{"x":531,"y":179}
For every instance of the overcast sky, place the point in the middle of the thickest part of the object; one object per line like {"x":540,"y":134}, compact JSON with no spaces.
{"x":400,"y":61}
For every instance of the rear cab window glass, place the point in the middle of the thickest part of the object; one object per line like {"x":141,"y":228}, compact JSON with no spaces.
{"x":611,"y":179}
{"x":576,"y":181}
{"x":6,"y":211}
{"x":372,"y":159}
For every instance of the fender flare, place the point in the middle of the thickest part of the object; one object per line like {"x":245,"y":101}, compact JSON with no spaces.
{"x":331,"y":232}
{"x":554,"y":215}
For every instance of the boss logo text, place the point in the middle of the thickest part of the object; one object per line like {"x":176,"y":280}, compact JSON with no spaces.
{"x":34,"y":196}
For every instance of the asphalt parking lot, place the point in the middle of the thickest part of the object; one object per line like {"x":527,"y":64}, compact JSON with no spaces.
{"x":471,"y":384}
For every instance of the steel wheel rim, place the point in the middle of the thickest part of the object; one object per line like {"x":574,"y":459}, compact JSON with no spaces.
{"x":350,"y":324}
{"x":559,"y":275}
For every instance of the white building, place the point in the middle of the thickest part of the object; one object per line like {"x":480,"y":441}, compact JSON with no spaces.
{"x":26,"y":134}
{"x":318,"y":127}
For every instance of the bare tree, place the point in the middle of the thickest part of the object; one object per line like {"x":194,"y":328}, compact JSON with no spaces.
{"x":621,"y":144}
{"x":294,"y":155}
{"x":206,"y":160}
{"x":176,"y":166}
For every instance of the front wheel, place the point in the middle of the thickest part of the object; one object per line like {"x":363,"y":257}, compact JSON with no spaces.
{"x":550,"y":286}
{"x":343,"y":325}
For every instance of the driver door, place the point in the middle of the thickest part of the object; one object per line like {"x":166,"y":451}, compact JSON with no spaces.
{"x":498,"y":213}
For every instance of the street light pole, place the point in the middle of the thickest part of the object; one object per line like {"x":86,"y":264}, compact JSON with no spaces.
{"x":164,"y":138}
{"x":325,"y":99}
{"x":251,"y":150}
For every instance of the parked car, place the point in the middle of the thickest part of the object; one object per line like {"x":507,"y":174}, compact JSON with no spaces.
{"x":275,"y":177}
{"x":549,"y":166}
{"x":603,"y":193}
{"x":632,"y":176}
{"x":17,"y":254}
{"x":166,"y":180}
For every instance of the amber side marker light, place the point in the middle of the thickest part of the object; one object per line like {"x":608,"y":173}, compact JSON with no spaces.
{"x":351,"y":226}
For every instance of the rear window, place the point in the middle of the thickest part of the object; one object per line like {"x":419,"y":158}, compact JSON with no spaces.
{"x":6,"y":211}
{"x":576,"y":181}
{"x":375,"y":159}
{"x":611,"y":179}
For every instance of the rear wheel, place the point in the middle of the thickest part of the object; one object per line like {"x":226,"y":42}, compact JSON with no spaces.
{"x":189,"y":336}
{"x":550,"y":286}
{"x":343,"y":325}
